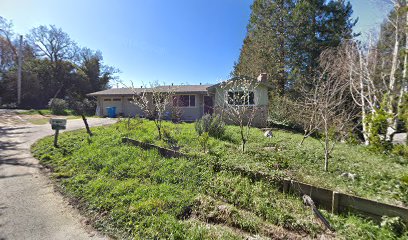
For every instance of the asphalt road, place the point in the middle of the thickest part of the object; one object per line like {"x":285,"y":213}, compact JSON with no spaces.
{"x":29,"y":206}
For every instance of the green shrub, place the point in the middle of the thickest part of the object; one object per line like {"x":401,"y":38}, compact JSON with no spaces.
{"x":400,"y":150}
{"x":171,"y":141}
{"x":378,"y":121}
{"x":58,"y":106}
{"x":203,"y":139}
{"x":213,"y":125}
{"x":85,"y":106}
{"x":394,"y":224}
{"x":282,"y":111}
{"x":404,"y":188}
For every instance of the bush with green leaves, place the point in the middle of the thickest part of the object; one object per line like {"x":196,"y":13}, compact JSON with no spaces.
{"x":282,"y":111}
{"x":213,"y":125}
{"x":58,"y":106}
{"x":203,"y":139}
{"x":394,"y":224}
{"x":86,"y":107}
{"x":404,"y":113}
{"x":378,"y":122}
{"x":400,"y":150}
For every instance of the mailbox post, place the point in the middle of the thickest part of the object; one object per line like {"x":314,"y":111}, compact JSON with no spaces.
{"x":57,"y":124}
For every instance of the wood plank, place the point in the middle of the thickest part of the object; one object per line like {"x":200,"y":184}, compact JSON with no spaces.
{"x":361,"y":205}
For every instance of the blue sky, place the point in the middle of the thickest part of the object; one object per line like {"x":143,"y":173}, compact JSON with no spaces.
{"x":178,"y":41}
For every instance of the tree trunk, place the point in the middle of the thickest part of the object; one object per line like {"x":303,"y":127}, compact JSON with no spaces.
{"x":391,"y":87}
{"x":366,"y":133}
{"x":326,"y":153}
{"x":404,"y":84}
{"x":242,"y":138}
{"x":159,"y":131}
{"x":326,"y":146}
{"x":303,"y":139}
{"x":88,"y":130}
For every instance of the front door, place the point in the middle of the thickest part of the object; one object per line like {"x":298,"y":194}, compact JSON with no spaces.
{"x":208,"y":105}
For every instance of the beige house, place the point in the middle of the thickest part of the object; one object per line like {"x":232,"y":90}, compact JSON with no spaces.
{"x":194,"y":101}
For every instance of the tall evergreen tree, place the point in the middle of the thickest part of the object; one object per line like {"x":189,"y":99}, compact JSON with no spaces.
{"x":285,"y":38}
{"x":266,"y":44}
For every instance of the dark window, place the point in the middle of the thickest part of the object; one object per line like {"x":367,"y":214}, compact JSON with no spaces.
{"x":116,"y":99}
{"x":184,"y":101}
{"x":192,"y":100}
{"x":106,"y":99}
{"x":241,"y":98}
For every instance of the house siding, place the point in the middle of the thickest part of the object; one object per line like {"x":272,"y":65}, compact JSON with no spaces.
{"x":261,"y":105}
{"x":104,"y":104}
{"x":126,"y":108}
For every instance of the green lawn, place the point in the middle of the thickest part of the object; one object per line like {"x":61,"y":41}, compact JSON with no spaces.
{"x":44,"y":112}
{"x":33,"y":116}
{"x":379,"y":177}
{"x":132,"y":193}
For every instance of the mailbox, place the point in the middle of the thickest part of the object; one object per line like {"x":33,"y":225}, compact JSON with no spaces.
{"x":58,"y":123}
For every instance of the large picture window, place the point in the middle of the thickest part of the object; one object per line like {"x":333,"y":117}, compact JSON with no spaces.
{"x":184,"y":101}
{"x":241,"y":98}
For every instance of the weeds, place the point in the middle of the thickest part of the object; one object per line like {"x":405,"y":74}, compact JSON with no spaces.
{"x":137,"y":194}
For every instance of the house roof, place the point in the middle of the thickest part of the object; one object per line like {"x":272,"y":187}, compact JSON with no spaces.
{"x":198,"y":89}
{"x":262,"y":83}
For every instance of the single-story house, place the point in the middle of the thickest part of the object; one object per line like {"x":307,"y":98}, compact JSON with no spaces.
{"x":194,"y":101}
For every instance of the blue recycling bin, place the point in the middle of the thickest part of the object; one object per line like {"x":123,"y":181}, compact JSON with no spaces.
{"x":111,"y":112}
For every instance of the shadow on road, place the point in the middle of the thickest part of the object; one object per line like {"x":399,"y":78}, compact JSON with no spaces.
{"x":12,"y":145}
{"x":9,"y":130}
{"x":11,"y":133}
{"x":16,"y":162}
{"x":15,"y":175}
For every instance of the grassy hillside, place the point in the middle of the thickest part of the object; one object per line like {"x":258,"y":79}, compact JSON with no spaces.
{"x":379,"y":177}
{"x":132,"y":193}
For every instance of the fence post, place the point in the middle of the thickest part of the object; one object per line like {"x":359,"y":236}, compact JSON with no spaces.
{"x":335,"y":202}
{"x":56,"y":138}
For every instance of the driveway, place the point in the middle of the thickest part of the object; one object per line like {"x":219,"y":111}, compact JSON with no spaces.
{"x":29,"y":206}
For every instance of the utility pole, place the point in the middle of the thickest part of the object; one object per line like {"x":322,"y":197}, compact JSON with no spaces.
{"x":20,"y":63}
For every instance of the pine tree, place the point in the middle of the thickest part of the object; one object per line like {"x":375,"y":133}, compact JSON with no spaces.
{"x":265,"y":46}
{"x":285,"y":38}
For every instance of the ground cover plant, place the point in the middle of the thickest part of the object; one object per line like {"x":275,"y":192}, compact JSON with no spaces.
{"x":133,"y":193}
{"x":378,"y":176}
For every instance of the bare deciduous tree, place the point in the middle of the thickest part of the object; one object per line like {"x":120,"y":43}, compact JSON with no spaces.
{"x":8,"y":53}
{"x":360,"y":63}
{"x":309,"y":111}
{"x":237,"y":104}
{"x":154,"y":102}
{"x":52,"y":43}
{"x":328,"y":109}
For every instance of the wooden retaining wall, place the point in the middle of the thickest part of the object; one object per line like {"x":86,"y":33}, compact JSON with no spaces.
{"x":343,"y":203}
{"x":327,"y":199}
